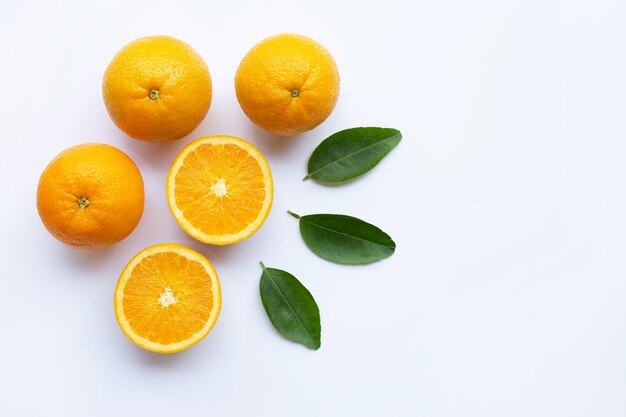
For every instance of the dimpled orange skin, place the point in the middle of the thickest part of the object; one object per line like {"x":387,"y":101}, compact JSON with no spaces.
{"x":90,"y":196}
{"x":287,"y":84}
{"x":157,"y":89}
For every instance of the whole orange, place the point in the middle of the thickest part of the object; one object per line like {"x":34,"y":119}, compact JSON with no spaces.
{"x":90,"y":195}
{"x":157,"y":89}
{"x":287,"y":84}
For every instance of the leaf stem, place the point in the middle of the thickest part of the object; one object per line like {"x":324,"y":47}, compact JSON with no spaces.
{"x":262,"y":265}
{"x":306,"y":178}
{"x":293,"y":214}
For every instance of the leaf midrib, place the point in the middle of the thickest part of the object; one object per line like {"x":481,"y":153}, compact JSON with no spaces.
{"x":352,"y":154}
{"x":345,"y":234}
{"x":290,"y":307}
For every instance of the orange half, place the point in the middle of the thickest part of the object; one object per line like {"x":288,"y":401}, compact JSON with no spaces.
{"x":167,"y":298}
{"x":220,"y":189}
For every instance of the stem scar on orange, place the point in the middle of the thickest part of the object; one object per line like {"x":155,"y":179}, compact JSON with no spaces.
{"x":90,"y":195}
{"x":219,"y":189}
{"x":167,"y":298}
{"x":287,"y":84}
{"x":157,"y":89}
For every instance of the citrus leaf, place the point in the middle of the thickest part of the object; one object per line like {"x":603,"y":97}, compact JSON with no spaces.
{"x":344,"y":239}
{"x":350,"y":153}
{"x":290,"y":307}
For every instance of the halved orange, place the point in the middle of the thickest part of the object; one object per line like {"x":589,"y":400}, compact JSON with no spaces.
{"x":167,"y":298}
{"x":220,"y":189}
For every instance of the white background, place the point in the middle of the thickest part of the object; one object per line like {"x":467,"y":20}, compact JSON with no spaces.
{"x":506,"y":198}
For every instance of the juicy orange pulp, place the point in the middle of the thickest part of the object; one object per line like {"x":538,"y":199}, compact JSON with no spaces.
{"x":168,"y":298}
{"x":220,"y":189}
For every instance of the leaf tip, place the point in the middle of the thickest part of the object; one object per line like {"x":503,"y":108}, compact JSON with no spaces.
{"x":262,"y":264}
{"x":314,"y":343}
{"x":306,"y":177}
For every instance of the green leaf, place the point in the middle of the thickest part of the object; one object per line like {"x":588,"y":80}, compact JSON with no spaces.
{"x":290,"y":307}
{"x":351,"y":153}
{"x":344,"y":239}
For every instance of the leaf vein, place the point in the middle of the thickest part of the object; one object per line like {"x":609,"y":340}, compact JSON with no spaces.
{"x":345,"y":234}
{"x":351,"y":154}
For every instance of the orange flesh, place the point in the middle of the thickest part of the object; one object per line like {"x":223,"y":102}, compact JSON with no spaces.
{"x":198,"y":198}
{"x":168,"y":298}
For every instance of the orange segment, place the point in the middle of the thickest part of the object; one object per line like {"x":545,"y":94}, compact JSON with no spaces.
{"x":220,"y":189}
{"x":167,"y":298}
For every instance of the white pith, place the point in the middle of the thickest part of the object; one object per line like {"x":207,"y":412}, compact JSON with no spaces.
{"x":167,"y":298}
{"x":220,"y":188}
